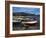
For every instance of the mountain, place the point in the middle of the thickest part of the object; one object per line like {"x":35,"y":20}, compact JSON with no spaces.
{"x":22,"y":14}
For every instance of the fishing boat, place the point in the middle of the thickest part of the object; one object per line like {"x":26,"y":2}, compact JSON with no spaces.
{"x":29,"y":22}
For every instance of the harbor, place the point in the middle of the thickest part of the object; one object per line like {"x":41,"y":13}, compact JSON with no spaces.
{"x":25,"y":23}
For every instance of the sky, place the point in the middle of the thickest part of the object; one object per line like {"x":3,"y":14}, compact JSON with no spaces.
{"x":26,"y":10}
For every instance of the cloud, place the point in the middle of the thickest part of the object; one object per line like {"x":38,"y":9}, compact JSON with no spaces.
{"x":26,"y":10}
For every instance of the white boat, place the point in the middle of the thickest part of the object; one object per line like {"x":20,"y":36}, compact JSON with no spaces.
{"x":29,"y":22}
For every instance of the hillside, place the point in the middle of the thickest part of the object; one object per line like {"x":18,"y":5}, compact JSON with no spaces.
{"x":22,"y":14}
